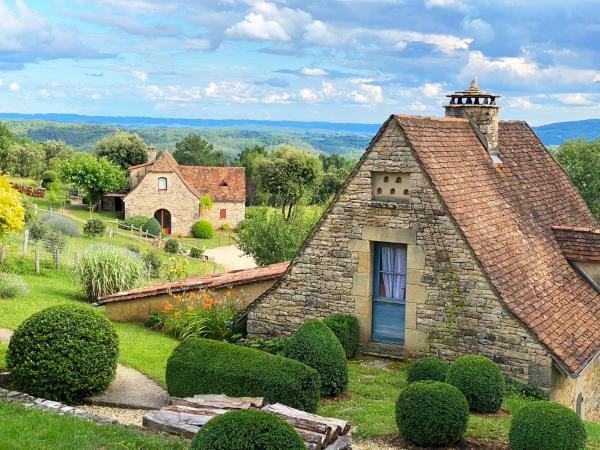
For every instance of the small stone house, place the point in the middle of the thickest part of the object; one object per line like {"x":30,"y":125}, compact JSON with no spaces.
{"x":455,"y":235}
{"x":171,"y":193}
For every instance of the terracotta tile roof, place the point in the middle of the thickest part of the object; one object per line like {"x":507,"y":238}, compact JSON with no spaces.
{"x":140,"y":165}
{"x":215,"y":281}
{"x":578,"y":243}
{"x":221,"y":183}
{"x":506,"y":215}
{"x":166,"y":163}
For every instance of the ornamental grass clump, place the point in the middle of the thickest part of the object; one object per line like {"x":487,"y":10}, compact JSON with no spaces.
{"x":64,"y":353}
{"x":546,"y":425}
{"x":11,"y":285}
{"x":199,"y":314}
{"x":61,"y":225}
{"x":104,"y":270}
{"x":247,"y":430}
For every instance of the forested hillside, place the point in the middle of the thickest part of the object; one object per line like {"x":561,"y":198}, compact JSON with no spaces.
{"x":231,"y":140}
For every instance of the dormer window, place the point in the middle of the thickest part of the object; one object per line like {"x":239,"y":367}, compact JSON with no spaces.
{"x":162,"y":184}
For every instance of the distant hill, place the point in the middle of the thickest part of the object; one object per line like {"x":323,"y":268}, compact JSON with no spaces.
{"x":557,"y":133}
{"x":232,"y":135}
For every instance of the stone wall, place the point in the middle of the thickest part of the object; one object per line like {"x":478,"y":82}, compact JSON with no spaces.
{"x":146,"y":199}
{"x":566,"y":390}
{"x":235,"y":211}
{"x":332,"y":274}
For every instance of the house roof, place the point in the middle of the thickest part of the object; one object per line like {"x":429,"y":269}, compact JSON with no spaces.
{"x":506,"y":214}
{"x":221,"y":183}
{"x":578,"y":243}
{"x":208,"y":282}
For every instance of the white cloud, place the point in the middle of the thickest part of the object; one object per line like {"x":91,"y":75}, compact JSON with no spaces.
{"x":417,"y":106}
{"x":95,"y":96}
{"x":140,"y":75}
{"x":431,"y":90}
{"x":574,"y":99}
{"x":522,"y":103}
{"x":1,"y":83}
{"x":256,"y":27}
{"x":14,"y":86}
{"x":308,"y":95}
{"x":319,"y":33}
{"x":282,"y":97}
{"x":367,"y":93}
{"x":211,"y":89}
{"x":444,"y":43}
{"x":313,"y":72}
{"x":452,"y":4}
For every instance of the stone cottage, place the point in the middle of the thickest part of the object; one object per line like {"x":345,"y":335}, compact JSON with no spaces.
{"x":171,"y":193}
{"x":453,"y":235}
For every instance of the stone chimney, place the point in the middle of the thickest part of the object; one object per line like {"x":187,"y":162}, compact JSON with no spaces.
{"x":151,"y":154}
{"x":480,"y":108}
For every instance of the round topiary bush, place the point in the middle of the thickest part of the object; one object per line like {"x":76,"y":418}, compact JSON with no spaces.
{"x":431,"y":413}
{"x":196,"y":252}
{"x":104,"y":270}
{"x":49,"y":176}
{"x":94,"y":228}
{"x":315,"y":345}
{"x":203,"y":230}
{"x":172,"y":246}
{"x":546,"y":425}
{"x":247,"y":430}
{"x":346,"y":329}
{"x":63,"y":353}
{"x":152,"y":227}
{"x":480,"y":379}
{"x":428,"y":368}
{"x":136,"y":222}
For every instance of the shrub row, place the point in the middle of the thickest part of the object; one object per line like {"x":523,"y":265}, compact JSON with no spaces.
{"x":202,"y":366}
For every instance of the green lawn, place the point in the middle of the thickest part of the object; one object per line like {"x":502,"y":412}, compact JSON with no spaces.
{"x":141,"y":348}
{"x":26,"y":428}
{"x":370,"y":405}
{"x":3,"y":349}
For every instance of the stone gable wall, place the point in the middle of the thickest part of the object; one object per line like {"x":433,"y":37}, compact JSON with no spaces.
{"x":332,"y":274}
{"x":236,"y":212}
{"x":146,"y":199}
{"x":566,"y":390}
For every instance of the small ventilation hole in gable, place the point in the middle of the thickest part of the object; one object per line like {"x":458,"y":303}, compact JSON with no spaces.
{"x":379,"y":190}
{"x":406,"y":192}
{"x":386,"y":179}
{"x":398,"y":179}
{"x":392,"y":191}
{"x":223,"y":183}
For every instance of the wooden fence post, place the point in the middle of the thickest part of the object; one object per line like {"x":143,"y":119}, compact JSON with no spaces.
{"x":37,"y":260}
{"x":25,"y":241}
{"x":56,"y":256}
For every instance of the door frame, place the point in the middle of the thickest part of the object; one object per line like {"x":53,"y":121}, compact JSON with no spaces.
{"x":161,"y":219}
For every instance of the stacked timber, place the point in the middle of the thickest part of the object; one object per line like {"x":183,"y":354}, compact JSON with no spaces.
{"x":185,"y":416}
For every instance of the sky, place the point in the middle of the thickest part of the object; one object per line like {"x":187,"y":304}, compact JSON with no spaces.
{"x":324,"y":60}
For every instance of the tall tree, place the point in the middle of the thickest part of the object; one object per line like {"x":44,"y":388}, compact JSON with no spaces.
{"x":24,"y":158}
{"x":122,"y":148}
{"x":94,"y":175}
{"x":288,"y":175}
{"x":247,"y":159}
{"x":581,"y":159}
{"x":55,"y":153}
{"x":193,"y":150}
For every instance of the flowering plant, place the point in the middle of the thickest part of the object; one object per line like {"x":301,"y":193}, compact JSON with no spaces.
{"x":199,"y":314}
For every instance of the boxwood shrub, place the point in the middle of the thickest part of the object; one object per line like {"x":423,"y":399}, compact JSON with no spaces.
{"x":152,"y":227}
{"x":432,"y":413}
{"x":203,"y":229}
{"x":480,"y":379}
{"x":247,"y":430}
{"x":172,"y":246}
{"x":346,"y":329}
{"x":94,"y":228}
{"x":315,"y":345}
{"x":428,"y":368}
{"x":546,"y":425}
{"x":203,"y":366}
{"x":134,"y":221}
{"x":63,"y":353}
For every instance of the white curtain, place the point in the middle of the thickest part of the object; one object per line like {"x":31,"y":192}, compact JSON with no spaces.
{"x":393,"y":267}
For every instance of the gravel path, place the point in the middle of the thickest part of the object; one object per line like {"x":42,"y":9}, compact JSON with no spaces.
{"x":129,"y":389}
{"x":230,"y":258}
{"x":124,"y":416}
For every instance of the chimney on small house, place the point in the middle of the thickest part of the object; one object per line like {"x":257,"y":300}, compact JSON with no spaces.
{"x":480,"y":108}
{"x":151,"y":154}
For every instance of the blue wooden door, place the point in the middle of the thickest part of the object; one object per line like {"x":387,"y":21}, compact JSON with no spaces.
{"x":389,"y":293}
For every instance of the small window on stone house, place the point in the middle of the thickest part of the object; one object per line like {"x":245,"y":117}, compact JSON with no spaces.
{"x":162,"y":184}
{"x":223,"y":214}
{"x":579,"y":404}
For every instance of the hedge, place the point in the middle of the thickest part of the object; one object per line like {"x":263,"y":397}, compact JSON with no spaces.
{"x":203,"y":366}
{"x":346,"y":329}
{"x":134,"y":221}
{"x":480,"y":379}
{"x":431,"y":413}
{"x":315,"y":345}
{"x":428,"y":368}
{"x":247,"y":430}
{"x":63,"y":353}
{"x":546,"y":425}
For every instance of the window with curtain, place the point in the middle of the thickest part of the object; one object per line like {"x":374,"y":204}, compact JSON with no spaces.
{"x":392,"y":272}
{"x":162,"y":184}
